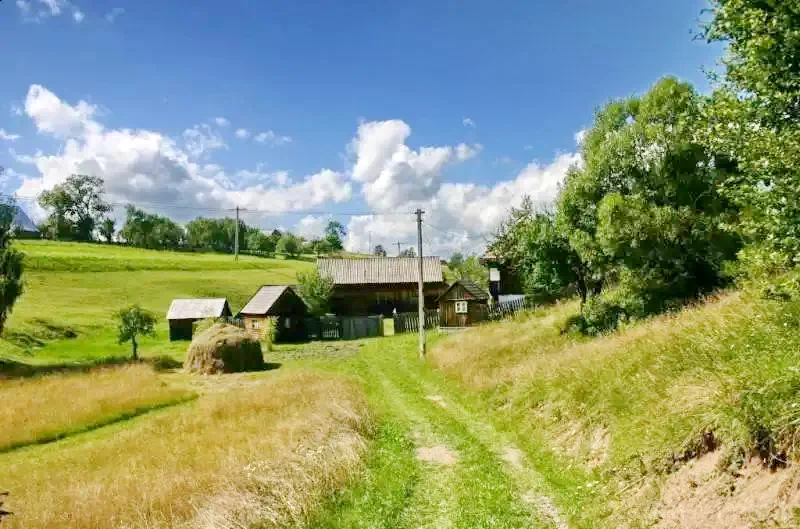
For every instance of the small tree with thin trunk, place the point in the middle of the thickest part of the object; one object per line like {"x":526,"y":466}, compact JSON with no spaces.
{"x":135,"y":321}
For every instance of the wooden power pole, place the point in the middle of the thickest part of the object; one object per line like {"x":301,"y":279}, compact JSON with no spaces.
{"x":420,"y":284}
{"x":236,"y":237}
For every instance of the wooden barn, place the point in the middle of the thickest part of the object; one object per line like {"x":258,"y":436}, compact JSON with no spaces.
{"x":282,"y":303}
{"x":463,"y":304}
{"x":183,"y":313}
{"x":381,"y":285}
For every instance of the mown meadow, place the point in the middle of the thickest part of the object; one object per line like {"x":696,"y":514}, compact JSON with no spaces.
{"x":72,"y":290}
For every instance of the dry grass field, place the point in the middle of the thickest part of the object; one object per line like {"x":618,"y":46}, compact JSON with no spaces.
{"x":266,"y":454}
{"x":42,"y":409}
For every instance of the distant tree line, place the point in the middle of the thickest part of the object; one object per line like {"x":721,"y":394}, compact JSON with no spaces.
{"x":678,"y":193}
{"x":78,"y":211}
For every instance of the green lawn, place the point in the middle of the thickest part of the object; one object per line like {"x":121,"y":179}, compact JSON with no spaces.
{"x":72,"y":291}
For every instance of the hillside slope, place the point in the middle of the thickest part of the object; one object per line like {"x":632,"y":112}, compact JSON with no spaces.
{"x":625,"y":413}
{"x":72,"y":291}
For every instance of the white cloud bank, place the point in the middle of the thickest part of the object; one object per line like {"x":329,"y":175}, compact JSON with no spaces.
{"x":143,"y":166}
{"x":7,"y":136}
{"x":396,"y":178}
{"x":149,"y":168}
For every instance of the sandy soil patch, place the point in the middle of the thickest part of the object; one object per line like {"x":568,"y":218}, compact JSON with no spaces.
{"x":437,"y":454}
{"x":700,"y":496}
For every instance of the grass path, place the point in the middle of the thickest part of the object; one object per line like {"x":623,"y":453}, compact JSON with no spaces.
{"x":437,"y":462}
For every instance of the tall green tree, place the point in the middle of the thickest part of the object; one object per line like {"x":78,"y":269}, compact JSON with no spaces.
{"x":11,"y":262}
{"x":379,"y":251}
{"x":316,"y":290}
{"x":534,"y":247}
{"x":76,"y":207}
{"x":456,"y":260}
{"x":645,"y":208}
{"x":132,"y":323}
{"x":107,"y":230}
{"x":753,"y":120}
{"x":146,"y":230}
{"x":289,"y":244}
{"x":334,"y":233}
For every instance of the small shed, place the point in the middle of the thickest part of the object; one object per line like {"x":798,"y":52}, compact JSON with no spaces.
{"x":282,"y":303}
{"x":462,"y":304}
{"x":183,"y":313}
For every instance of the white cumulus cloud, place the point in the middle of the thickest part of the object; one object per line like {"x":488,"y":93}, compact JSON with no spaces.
{"x":4,"y":135}
{"x":271,"y":138}
{"x":462,"y":216}
{"x":390,"y":172}
{"x":468,"y":122}
{"x":54,"y":116}
{"x":242,"y":134}
{"x":147,"y":167}
{"x":221,"y":121}
{"x":39,"y":10}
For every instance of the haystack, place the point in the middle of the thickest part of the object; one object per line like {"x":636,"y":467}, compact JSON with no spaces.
{"x":223,"y":348}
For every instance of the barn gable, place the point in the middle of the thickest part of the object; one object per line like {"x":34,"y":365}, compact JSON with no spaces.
{"x":464,"y":289}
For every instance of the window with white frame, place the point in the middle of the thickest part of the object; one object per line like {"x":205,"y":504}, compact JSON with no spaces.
{"x":461,"y":307}
{"x":255,"y":324}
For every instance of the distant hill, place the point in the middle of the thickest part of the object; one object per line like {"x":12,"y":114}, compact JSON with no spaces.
{"x":23,"y":222}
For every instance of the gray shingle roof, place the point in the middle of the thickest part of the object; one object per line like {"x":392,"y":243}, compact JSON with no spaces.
{"x":264,"y":299}
{"x":471,"y":287}
{"x":380,"y":270}
{"x":199,"y":308}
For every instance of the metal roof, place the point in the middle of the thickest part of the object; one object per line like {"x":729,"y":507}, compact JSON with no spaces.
{"x":196,"y":309}
{"x":470,"y":286}
{"x":381,"y":270}
{"x":263,"y":300}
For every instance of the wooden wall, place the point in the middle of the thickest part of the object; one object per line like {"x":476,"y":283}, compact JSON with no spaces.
{"x":363,"y":300}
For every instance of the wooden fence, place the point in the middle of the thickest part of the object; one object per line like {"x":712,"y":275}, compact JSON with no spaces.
{"x":504,"y":309}
{"x":409,"y":321}
{"x":343,"y":327}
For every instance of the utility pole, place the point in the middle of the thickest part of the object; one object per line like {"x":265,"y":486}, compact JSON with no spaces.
{"x":370,"y":242}
{"x":236,"y":237}
{"x":420,"y":282}
{"x":398,"y":243}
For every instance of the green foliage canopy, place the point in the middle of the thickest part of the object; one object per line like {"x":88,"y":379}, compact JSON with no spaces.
{"x":132,"y":322}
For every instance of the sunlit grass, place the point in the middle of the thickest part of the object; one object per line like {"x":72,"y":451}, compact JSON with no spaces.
{"x":42,"y":409}
{"x":72,"y":291}
{"x":265,"y":455}
{"x":649,"y":391}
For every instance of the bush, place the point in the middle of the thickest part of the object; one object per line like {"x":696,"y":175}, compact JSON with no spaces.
{"x":270,"y":331}
{"x":223,"y":348}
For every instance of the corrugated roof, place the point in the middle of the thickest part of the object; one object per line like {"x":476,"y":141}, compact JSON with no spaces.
{"x":471,"y":287}
{"x":198,"y":308}
{"x":380,"y":270}
{"x":264,"y":299}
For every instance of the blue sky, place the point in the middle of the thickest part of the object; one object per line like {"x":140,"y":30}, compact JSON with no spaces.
{"x":500,"y":84}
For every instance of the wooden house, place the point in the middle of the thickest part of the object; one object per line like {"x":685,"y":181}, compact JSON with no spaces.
{"x":282,"y":303}
{"x":381,"y":285}
{"x":183,"y":313}
{"x":462,"y":304}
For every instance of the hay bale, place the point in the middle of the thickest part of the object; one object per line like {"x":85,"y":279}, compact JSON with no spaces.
{"x":223,"y":348}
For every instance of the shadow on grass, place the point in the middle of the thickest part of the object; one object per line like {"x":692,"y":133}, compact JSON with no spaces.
{"x":43,"y":332}
{"x":13,"y":369}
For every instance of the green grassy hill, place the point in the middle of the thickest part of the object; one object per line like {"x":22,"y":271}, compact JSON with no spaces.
{"x":610,"y":419}
{"x":72,"y":291}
